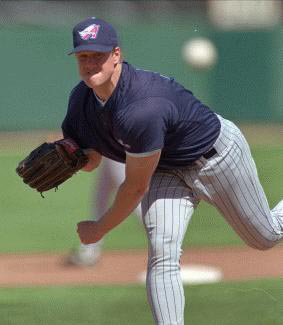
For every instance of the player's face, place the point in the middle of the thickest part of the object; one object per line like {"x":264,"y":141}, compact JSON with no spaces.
{"x":97,"y":68}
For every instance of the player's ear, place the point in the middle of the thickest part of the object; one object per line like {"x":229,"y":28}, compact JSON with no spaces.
{"x":117,"y":54}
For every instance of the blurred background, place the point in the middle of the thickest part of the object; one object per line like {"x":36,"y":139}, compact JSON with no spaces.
{"x":244,"y":83}
{"x":229,"y":53}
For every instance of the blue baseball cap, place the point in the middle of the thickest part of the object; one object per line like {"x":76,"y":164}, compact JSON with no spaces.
{"x":94,"y":35}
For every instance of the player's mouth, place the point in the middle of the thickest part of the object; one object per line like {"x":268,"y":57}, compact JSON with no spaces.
{"x":91,"y":73}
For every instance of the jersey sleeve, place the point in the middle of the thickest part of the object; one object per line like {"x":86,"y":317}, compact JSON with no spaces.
{"x":144,"y":126}
{"x":67,"y":126}
{"x":67,"y":130}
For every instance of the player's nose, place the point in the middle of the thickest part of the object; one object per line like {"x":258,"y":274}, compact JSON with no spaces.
{"x":90,"y":62}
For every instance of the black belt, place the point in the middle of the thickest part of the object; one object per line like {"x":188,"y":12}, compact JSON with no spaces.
{"x":212,"y":152}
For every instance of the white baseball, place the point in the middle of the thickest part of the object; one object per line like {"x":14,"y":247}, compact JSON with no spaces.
{"x":200,"y":53}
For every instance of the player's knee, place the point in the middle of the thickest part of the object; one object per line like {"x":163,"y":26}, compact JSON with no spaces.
{"x":262,"y":245}
{"x":160,"y":255}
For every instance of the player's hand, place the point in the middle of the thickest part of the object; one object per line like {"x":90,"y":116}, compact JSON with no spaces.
{"x":89,"y":232}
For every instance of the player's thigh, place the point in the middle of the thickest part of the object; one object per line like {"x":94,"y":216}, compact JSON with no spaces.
{"x":232,"y":185}
{"x":167,"y":209}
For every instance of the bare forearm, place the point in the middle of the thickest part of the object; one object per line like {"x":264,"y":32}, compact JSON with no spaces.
{"x":138,"y":175}
{"x":126,"y":200}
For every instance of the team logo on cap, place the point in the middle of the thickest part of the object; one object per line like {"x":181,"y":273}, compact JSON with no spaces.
{"x":90,"y":32}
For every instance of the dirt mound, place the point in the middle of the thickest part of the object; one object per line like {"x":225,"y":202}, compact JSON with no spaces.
{"x":120,"y":267}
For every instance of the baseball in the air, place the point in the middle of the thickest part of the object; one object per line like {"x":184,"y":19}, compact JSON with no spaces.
{"x":200,"y":53}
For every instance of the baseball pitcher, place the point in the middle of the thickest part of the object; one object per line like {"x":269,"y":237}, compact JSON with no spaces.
{"x":176,"y":151}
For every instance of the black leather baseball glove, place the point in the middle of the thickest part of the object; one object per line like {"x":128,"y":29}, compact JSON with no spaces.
{"x":51,"y":164}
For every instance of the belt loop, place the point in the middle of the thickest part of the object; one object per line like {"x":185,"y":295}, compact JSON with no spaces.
{"x":209,"y":154}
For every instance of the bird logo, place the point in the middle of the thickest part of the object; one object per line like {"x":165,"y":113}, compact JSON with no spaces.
{"x":89,"y":32}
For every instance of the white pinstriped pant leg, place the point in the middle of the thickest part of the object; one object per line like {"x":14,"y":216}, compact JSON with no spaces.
{"x":167,"y":207}
{"x":230,"y":182}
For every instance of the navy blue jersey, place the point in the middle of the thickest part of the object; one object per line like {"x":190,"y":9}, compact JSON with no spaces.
{"x":146,"y":112}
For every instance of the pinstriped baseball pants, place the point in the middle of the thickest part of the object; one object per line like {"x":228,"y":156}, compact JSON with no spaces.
{"x":229,"y":182}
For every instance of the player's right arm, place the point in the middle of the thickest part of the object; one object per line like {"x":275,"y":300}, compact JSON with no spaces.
{"x":94,"y":160}
{"x":94,"y":157}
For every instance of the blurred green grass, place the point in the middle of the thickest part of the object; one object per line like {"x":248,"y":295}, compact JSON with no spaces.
{"x":32,"y":224}
{"x":255,"y":303}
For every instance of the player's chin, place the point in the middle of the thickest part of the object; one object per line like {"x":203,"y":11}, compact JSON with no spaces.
{"x":93,"y":80}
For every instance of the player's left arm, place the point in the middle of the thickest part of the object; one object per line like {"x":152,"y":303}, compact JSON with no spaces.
{"x":139,"y":171}
{"x":143,"y":133}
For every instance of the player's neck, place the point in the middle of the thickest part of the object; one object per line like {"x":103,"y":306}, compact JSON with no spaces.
{"x":104,"y":91}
